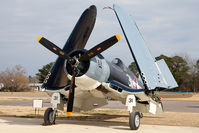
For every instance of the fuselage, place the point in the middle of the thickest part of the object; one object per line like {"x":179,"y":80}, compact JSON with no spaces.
{"x":98,"y":70}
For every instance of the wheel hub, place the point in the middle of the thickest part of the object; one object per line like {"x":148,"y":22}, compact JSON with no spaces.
{"x":137,"y":120}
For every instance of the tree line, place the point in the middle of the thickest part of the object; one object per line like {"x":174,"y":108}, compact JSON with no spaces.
{"x":14,"y":79}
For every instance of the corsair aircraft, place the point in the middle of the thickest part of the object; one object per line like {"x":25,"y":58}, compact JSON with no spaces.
{"x":83,"y":79}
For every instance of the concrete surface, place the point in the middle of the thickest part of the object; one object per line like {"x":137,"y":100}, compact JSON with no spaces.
{"x":33,"y":125}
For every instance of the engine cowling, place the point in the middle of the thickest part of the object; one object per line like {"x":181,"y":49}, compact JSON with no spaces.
{"x":91,"y":73}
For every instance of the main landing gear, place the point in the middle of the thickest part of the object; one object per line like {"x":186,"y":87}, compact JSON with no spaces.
{"x":134,"y":120}
{"x":134,"y":117}
{"x":49,"y":116}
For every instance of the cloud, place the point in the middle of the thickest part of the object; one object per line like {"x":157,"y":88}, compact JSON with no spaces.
{"x":168,"y":26}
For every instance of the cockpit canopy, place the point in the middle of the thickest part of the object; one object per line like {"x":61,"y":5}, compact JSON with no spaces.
{"x":119,"y":63}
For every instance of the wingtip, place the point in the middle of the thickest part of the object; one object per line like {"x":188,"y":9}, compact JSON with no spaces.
{"x":69,"y":113}
{"x":39,"y":38}
{"x":118,"y":37}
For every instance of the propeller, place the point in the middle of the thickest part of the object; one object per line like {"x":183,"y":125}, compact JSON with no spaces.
{"x":100,"y":48}
{"x":75,"y":62}
{"x":55,"y":49}
{"x":51,"y":46}
{"x":71,"y":94}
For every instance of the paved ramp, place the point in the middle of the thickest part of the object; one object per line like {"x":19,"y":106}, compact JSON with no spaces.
{"x":33,"y":125}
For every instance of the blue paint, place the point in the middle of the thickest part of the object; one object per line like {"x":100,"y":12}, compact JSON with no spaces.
{"x":125,"y":88}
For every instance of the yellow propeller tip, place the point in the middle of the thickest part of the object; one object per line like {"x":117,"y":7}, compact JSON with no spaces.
{"x":69,"y":113}
{"x":118,"y":37}
{"x":39,"y":38}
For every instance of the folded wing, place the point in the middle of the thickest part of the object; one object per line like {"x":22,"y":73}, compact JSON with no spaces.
{"x":154,"y":73}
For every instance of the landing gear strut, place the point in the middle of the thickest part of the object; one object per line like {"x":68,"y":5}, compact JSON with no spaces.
{"x":134,"y":117}
{"x":134,"y":120}
{"x":49,"y":116}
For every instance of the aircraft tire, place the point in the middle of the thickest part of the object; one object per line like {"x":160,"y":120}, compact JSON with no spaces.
{"x":48,"y":117}
{"x":134,"y":120}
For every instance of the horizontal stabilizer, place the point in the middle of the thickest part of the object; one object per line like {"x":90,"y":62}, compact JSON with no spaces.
{"x":152,"y":75}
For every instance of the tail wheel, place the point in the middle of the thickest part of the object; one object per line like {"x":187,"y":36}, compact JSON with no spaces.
{"x":49,"y":117}
{"x":134,"y":120}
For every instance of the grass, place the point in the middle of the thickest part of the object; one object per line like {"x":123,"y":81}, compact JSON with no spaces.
{"x":28,"y":92}
{"x":22,"y":98}
{"x":1,"y":113}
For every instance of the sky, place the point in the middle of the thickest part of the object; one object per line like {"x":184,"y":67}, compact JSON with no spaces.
{"x":169,"y":27}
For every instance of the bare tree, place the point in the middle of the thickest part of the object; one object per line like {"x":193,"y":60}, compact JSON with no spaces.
{"x":192,"y":76}
{"x":14,"y":79}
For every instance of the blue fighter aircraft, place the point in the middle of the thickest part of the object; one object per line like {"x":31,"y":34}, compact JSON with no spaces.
{"x":83,"y":79}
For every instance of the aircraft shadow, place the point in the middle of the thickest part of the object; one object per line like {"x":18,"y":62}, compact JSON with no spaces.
{"x":94,"y":120}
{"x":100,"y":120}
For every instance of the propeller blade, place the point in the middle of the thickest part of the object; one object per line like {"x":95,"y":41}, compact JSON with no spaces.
{"x":100,"y":48}
{"x":52,"y":47}
{"x":71,"y":95}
